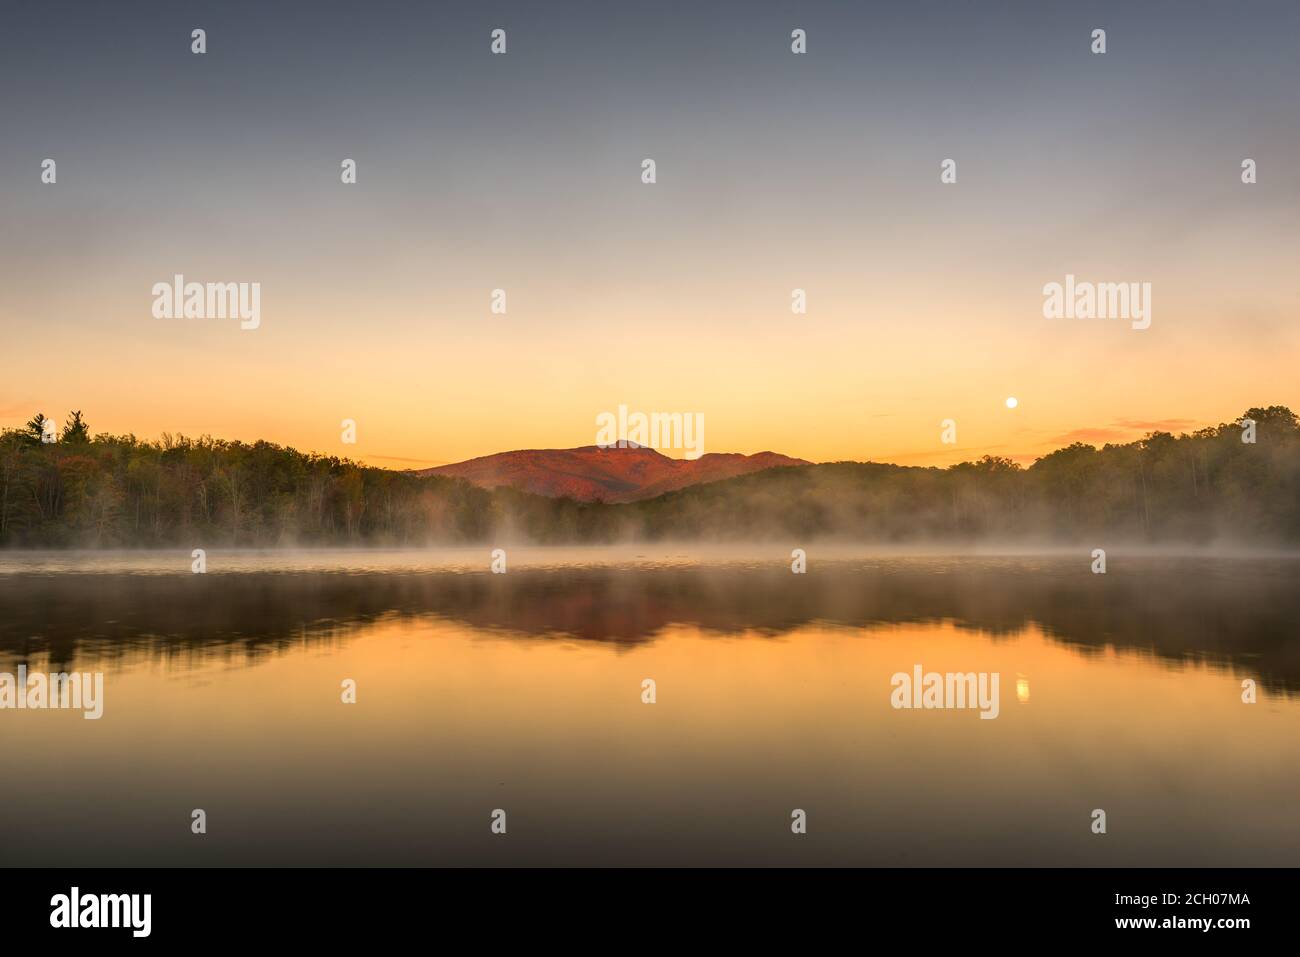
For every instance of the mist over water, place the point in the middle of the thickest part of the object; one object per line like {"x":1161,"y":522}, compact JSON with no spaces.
{"x":523,"y":691}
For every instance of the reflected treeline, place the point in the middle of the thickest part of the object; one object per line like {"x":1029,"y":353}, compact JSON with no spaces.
{"x":1242,"y":613}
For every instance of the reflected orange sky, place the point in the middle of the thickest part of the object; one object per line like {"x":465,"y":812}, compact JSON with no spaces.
{"x":452,"y":721}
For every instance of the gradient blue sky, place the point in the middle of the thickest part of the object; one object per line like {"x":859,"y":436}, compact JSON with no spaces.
{"x":775,"y":171}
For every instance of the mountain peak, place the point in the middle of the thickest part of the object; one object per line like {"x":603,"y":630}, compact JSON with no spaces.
{"x":622,"y":445}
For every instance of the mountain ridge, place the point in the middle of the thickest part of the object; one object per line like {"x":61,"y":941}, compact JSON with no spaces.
{"x":593,"y":473}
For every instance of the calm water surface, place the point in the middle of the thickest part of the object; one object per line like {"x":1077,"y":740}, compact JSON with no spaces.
{"x":523,"y":692}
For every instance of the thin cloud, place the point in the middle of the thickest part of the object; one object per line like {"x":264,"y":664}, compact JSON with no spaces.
{"x":1121,"y":430}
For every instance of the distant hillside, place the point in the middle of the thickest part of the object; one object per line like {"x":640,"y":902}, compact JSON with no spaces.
{"x":595,"y":474}
{"x":116,"y":491}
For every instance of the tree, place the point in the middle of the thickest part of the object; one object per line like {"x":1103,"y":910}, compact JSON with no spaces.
{"x":35,"y":428}
{"x":75,"y":430}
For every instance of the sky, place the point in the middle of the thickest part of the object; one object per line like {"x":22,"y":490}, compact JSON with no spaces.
{"x":775,"y":172}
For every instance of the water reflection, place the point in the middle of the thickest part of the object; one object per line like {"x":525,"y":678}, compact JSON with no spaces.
{"x":1240,"y":614}
{"x":523,"y":692}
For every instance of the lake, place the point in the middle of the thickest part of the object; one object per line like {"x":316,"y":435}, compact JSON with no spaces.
{"x":773,"y":693}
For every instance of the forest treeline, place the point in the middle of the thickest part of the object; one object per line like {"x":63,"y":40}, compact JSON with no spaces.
{"x":119,"y":491}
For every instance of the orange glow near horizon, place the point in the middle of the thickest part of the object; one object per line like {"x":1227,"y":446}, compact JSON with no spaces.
{"x":828,"y":386}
